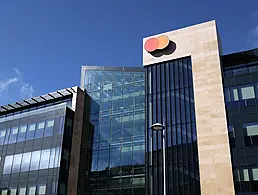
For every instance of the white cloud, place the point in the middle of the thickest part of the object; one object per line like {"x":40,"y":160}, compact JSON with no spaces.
{"x":25,"y":89}
{"x":5,"y":84}
{"x":253,"y":36}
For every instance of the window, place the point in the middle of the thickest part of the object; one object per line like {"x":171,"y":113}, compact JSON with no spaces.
{"x":49,"y":128}
{"x":35,"y":156}
{"x":22,"y":133}
{"x":235,"y":95}
{"x":40,"y":129}
{"x":13,"y":135}
{"x":31,"y":131}
{"x":4,"y":192}
{"x":255,"y":174}
{"x":26,"y":162}
{"x":246,"y":175}
{"x":44,"y":161}
{"x":17,"y":163}
{"x":247,"y":92}
{"x":8,"y":164}
{"x":251,"y":134}
{"x":22,"y":191}
{"x":2,"y":136}
{"x":42,"y":189}
{"x":13,"y":191}
{"x":32,"y":190}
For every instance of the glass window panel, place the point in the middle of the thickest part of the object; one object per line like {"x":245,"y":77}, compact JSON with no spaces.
{"x":4,"y":192}
{"x":255,"y":174}
{"x":42,"y":189}
{"x":30,"y":132}
{"x":246,"y":174}
{"x":7,"y":136}
{"x":50,"y":123}
{"x":8,"y":164}
{"x":247,"y":92}
{"x":13,"y":135}
{"x":14,"y":130}
{"x":252,"y":130}
{"x":2,"y":136}
{"x":22,"y":191}
{"x":57,"y":157}
{"x":26,"y":161}
{"x":40,"y":130}
{"x":44,"y":161}
{"x":35,"y":156}
{"x":32,"y":190}
{"x":103,"y":160}
{"x":49,"y":128}
{"x":17,"y":163}
{"x":32,"y":127}
{"x":235,"y":95}
{"x":52,"y":158}
{"x":13,"y":191}
{"x":22,"y":133}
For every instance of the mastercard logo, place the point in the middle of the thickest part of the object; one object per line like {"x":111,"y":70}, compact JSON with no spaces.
{"x":158,"y":43}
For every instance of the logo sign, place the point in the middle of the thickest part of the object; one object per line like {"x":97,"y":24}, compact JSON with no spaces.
{"x":160,"y":46}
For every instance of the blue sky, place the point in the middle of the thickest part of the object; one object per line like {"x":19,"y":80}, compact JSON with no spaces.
{"x":43,"y":43}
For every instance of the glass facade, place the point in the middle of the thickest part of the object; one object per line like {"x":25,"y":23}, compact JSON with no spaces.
{"x":170,"y":101}
{"x":116,"y":126}
{"x":33,"y":156}
{"x":240,"y":80}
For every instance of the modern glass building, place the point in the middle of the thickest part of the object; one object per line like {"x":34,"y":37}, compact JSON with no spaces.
{"x":116,"y":124}
{"x":37,"y":142}
{"x":184,"y":124}
{"x":240,"y":77}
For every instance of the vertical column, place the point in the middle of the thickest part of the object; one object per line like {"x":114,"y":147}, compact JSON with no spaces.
{"x":78,"y":106}
{"x":213,"y":144}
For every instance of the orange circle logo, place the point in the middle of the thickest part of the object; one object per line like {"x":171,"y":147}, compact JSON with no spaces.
{"x":153,"y":44}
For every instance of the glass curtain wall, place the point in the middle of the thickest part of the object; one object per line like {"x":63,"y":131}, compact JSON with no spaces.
{"x":117,"y":118}
{"x":240,"y":80}
{"x":170,"y":101}
{"x":30,"y":150}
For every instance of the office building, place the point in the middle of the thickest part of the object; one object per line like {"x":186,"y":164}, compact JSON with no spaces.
{"x":185,"y":123}
{"x":40,"y":143}
{"x":116,"y":124}
{"x":206,"y":103}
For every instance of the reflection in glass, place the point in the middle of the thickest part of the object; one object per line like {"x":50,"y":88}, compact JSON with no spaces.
{"x":31,"y":131}
{"x":35,"y":156}
{"x":49,"y":128}
{"x":8,"y":164}
{"x":44,"y":160}
{"x":32,"y":190}
{"x":13,"y":135}
{"x":22,"y":133}
{"x":17,"y":163}
{"x":40,"y":129}
{"x":26,"y":162}
{"x":2,"y":136}
{"x":22,"y":191}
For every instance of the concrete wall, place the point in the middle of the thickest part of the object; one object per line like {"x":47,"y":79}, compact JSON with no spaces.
{"x":78,"y":107}
{"x":201,"y":42}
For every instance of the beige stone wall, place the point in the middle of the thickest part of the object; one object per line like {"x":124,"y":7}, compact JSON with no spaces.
{"x":201,"y":43}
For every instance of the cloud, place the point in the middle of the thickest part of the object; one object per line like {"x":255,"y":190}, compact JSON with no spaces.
{"x":253,"y":35}
{"x":24,"y":89}
{"x":5,"y":84}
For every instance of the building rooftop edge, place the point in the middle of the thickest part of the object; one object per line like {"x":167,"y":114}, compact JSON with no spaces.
{"x":39,"y":99}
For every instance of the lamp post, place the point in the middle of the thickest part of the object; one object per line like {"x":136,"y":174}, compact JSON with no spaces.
{"x":160,"y":127}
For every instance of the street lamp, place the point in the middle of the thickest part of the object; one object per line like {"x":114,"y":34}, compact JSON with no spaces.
{"x":160,"y":127}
